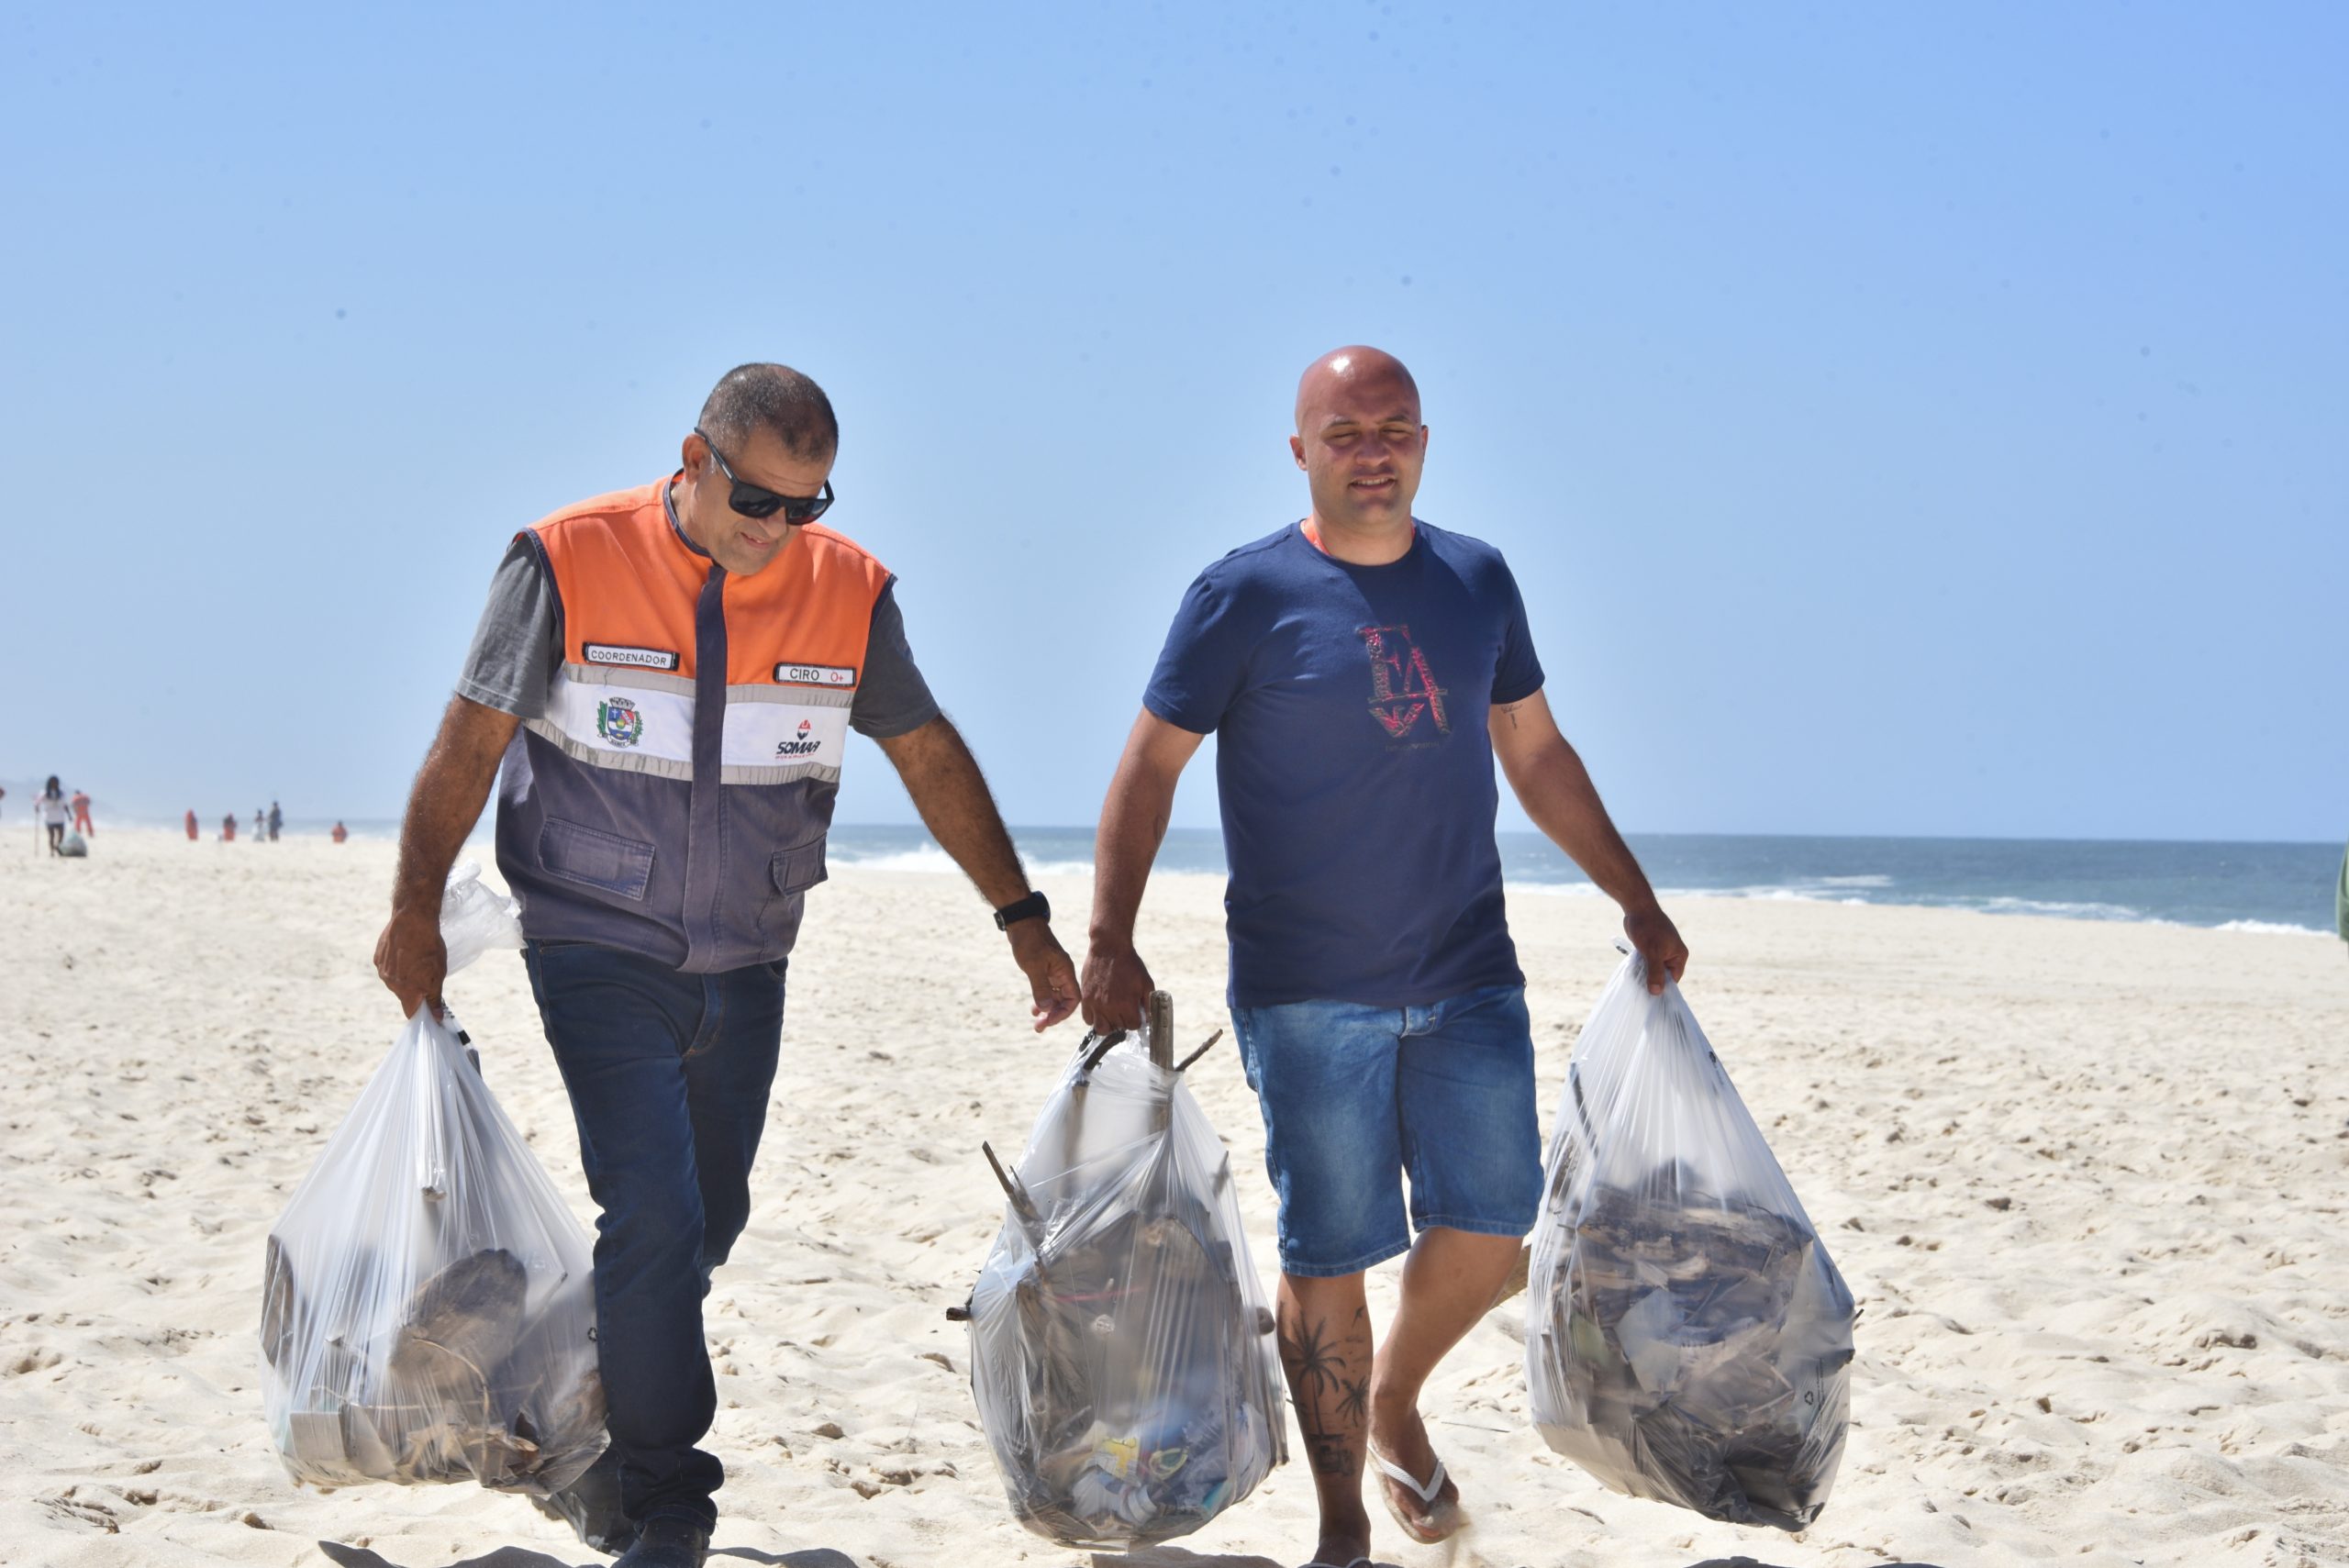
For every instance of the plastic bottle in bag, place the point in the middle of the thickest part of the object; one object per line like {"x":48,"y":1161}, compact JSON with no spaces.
{"x":427,"y":1304}
{"x":1687,"y":1338}
{"x":1121,"y":1346}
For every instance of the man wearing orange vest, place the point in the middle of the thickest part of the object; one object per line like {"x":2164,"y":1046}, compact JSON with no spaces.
{"x":668,"y":676}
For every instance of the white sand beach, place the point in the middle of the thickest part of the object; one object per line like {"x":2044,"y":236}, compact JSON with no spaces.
{"x":2088,"y":1179}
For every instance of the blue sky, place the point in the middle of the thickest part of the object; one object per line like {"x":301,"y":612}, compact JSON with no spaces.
{"x":1901,"y":419}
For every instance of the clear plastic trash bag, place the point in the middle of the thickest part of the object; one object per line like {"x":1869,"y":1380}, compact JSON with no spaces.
{"x":474,"y":919}
{"x":1121,"y":1347}
{"x":428,"y":1302}
{"x":1687,"y":1339}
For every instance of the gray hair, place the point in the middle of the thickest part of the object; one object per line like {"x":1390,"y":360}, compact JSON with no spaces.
{"x":774,"y":398}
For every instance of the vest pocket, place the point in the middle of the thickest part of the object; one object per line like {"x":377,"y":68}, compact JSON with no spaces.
{"x":797,"y":869}
{"x":598,"y":858}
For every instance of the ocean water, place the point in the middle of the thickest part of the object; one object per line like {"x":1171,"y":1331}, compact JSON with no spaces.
{"x":2265,"y":887}
{"x":2254,"y":887}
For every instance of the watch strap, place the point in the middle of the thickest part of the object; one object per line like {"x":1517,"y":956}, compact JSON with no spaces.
{"x":1032,"y":907}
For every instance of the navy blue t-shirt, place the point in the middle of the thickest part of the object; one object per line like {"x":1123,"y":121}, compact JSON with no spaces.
{"x":1353,"y":761}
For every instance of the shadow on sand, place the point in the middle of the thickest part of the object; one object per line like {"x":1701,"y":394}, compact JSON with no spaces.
{"x":517,"y":1557}
{"x":825,"y":1557}
{"x":1175,"y":1557}
{"x":503,"y":1557}
{"x":1757,"y":1563}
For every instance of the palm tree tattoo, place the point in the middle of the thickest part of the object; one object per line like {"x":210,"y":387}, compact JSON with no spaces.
{"x":1314,"y":1369}
{"x":1314,"y":1360}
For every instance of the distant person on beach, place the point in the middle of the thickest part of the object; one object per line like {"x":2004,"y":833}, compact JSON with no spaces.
{"x":669,"y":674}
{"x":276,"y":821}
{"x":82,"y":823}
{"x":191,"y":824}
{"x":51,"y":809}
{"x":2341,"y":899}
{"x":261,"y":827}
{"x":339,"y":833}
{"x":228,"y":828}
{"x":1361,"y":670}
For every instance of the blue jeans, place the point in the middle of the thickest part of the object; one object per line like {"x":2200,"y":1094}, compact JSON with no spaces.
{"x":1353,"y":1096}
{"x":668,"y":1075}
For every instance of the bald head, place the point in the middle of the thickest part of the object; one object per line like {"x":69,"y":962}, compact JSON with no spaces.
{"x":1351,"y":376}
{"x":1361,"y":444}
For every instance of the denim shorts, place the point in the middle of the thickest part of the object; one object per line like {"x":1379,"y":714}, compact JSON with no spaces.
{"x":1355,"y":1098}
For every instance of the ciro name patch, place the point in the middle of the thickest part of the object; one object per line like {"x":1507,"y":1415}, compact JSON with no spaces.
{"x":641,"y":658}
{"x":814,"y":675}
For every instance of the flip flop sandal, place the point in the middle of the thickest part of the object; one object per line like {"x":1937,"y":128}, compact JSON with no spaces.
{"x":1444,"y":1518}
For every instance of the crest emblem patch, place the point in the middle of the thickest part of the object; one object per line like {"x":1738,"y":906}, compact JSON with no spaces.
{"x":619,"y":722}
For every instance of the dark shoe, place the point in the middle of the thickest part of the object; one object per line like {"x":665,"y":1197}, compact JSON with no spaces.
{"x":665,"y":1541}
{"x":591,"y":1507}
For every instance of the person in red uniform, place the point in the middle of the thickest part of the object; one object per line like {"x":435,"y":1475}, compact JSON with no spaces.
{"x":667,"y":676}
{"x":82,"y":823}
{"x":191,"y":824}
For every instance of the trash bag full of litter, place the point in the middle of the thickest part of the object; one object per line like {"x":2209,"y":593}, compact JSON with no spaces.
{"x":1687,"y":1338}
{"x":428,"y":1301}
{"x":1121,"y":1347}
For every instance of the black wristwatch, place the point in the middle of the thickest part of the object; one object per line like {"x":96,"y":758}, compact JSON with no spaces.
{"x":1035,"y":907}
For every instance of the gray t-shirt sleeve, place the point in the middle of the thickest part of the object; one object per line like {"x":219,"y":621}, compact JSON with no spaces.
{"x":519,"y":644}
{"x":891,"y":696}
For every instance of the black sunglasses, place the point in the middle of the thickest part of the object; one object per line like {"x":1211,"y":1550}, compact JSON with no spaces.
{"x":757,"y":501}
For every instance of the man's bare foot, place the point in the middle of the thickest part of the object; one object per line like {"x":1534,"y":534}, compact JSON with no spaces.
{"x":1397,"y":1437}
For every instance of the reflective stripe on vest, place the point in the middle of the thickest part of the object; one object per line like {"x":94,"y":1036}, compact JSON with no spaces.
{"x":624,"y":718}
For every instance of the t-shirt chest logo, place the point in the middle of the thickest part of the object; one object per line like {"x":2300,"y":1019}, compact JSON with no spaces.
{"x":1402,"y":688}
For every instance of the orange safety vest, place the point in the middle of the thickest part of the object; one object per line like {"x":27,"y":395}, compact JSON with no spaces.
{"x":674,"y":797}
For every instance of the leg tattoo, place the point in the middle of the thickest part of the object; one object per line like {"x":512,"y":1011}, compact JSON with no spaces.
{"x":1332,"y":1407}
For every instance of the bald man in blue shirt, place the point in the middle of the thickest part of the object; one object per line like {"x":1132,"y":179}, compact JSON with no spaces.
{"x":1362,"y":669}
